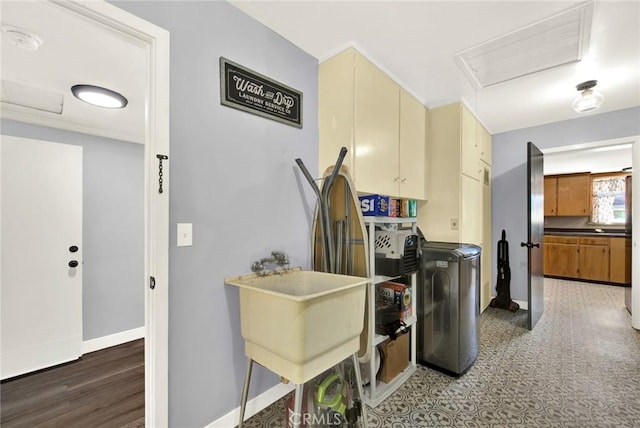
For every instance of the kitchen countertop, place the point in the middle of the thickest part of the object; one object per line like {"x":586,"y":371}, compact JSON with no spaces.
{"x":606,"y":233}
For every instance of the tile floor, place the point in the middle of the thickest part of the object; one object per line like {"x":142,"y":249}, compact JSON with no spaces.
{"x":579,"y":367}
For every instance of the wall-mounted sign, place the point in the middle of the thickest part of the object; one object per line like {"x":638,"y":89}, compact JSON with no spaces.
{"x":252,"y":92}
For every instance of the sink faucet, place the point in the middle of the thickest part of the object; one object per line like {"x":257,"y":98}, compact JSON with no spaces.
{"x":278,"y":258}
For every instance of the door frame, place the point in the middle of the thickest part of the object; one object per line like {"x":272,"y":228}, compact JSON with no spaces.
{"x":155,"y":41}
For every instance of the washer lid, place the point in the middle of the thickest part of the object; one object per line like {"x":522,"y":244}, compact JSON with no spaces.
{"x":462,"y":249}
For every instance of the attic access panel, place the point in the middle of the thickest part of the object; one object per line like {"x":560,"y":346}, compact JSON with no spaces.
{"x":560,"y":39}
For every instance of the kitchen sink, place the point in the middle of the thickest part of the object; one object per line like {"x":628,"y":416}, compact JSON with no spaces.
{"x":298,"y":323}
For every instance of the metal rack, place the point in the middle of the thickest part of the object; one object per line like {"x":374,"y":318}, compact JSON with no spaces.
{"x":377,"y":391}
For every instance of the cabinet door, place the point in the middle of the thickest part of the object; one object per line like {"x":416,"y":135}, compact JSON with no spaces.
{"x":550,"y":196}
{"x":620,"y":261}
{"x":336,"y":110}
{"x":547,"y":258}
{"x":594,"y":262}
{"x":561,"y":260}
{"x":412,"y":147}
{"x":470,"y":210}
{"x":484,"y":138}
{"x":485,"y":273}
{"x":574,"y":193}
{"x":470,"y":156}
{"x":377,"y":105}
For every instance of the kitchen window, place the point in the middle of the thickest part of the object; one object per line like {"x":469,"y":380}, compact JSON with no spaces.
{"x":608,"y":201}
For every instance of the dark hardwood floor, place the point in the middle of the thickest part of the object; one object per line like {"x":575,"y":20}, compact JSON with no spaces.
{"x":102,"y":389}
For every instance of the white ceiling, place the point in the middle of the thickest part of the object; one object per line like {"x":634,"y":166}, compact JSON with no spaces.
{"x":74,"y":52}
{"x":610,"y":157}
{"x":413,"y":41}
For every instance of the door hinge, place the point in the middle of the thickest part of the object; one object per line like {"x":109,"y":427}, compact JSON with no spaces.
{"x":152,"y":282}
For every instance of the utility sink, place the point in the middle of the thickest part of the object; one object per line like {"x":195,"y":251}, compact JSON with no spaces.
{"x":300,"y":323}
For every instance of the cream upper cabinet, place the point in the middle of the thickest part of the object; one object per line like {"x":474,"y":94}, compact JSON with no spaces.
{"x":412,"y":147}
{"x":471,"y":222}
{"x":336,"y":110}
{"x":470,"y":146}
{"x":459,"y":186}
{"x":484,"y":138}
{"x":377,"y":129}
{"x":486,"y":285}
{"x":381,"y":125}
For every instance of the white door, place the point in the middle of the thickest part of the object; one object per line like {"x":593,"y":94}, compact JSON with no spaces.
{"x":41,"y":242}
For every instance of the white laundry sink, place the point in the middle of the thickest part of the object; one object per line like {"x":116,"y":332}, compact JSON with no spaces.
{"x":300,"y":323}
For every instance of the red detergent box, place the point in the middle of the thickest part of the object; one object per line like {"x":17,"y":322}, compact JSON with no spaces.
{"x":375,"y":205}
{"x":400,"y":294}
{"x":394,"y":209}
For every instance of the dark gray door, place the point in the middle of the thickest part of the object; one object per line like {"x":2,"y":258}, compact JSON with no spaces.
{"x":535,"y":234}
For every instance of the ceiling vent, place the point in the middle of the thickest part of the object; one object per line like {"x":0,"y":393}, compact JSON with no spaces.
{"x":31,"y":97}
{"x":557,"y":40}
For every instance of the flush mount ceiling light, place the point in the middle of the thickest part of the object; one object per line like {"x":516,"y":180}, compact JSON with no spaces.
{"x":588,"y":99}
{"x":99,"y":96}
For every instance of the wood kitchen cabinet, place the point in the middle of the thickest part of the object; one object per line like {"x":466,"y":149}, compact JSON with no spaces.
{"x":594,"y":259}
{"x":590,"y":258}
{"x":567,"y":195}
{"x":561,"y":256}
{"x":620,"y":260}
{"x":382,"y":126}
{"x":574,"y":194}
{"x":551,"y":196}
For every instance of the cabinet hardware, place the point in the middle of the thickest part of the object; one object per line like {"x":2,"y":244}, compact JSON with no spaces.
{"x":152,"y":282}
{"x":530,"y":244}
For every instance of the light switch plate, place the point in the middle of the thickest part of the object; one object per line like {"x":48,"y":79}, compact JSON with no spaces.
{"x":185,"y":235}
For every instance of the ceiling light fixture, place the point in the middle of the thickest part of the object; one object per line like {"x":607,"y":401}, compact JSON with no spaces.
{"x":588,"y":99}
{"x":99,"y":96}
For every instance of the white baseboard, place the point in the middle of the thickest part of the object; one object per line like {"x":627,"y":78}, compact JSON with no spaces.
{"x":253,"y":406}
{"x":112,"y":340}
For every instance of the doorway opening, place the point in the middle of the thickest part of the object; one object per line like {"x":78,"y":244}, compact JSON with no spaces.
{"x":154,"y":45}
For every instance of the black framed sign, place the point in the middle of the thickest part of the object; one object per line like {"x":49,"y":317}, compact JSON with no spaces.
{"x":255,"y":93}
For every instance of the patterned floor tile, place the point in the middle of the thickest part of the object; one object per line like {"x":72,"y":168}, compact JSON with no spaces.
{"x":579,"y":367}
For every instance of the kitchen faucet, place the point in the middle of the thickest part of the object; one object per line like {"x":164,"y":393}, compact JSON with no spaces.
{"x":279,"y":258}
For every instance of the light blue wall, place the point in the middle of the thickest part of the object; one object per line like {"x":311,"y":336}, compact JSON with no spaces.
{"x":233,"y":175}
{"x":112,"y":227}
{"x":509,"y":167}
